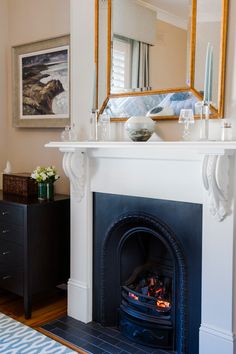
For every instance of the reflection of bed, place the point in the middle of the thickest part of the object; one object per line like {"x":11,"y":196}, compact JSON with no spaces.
{"x":165,"y":104}
{"x":160,"y":110}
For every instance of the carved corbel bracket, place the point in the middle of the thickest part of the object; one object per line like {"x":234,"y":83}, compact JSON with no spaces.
{"x":74,"y":165}
{"x":216,"y":174}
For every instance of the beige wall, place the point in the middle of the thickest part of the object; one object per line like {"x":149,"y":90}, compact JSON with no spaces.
{"x":33,"y":20}
{"x":168,"y":57}
{"x":3,"y":81}
{"x":27,"y":145}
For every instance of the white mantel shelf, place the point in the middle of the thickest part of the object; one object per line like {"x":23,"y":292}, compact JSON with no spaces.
{"x":147,"y":150}
{"x":193,"y":145}
{"x":186,"y":171}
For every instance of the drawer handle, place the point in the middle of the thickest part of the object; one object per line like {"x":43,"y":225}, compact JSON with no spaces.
{"x":5,"y":277}
{"x":5,"y":232}
{"x":5,"y":253}
{"x":4,"y":213}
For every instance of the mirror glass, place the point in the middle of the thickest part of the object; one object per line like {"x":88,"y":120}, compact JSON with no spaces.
{"x":150,"y":44}
{"x":159,"y":47}
{"x":153,"y":105}
{"x":208,"y":30}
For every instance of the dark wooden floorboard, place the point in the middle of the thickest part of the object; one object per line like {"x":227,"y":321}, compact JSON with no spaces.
{"x":45,"y":308}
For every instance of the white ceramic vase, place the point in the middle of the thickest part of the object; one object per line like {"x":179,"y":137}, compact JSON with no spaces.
{"x":140,"y":128}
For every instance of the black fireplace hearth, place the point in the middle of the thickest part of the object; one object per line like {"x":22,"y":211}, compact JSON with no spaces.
{"x":147,"y":270}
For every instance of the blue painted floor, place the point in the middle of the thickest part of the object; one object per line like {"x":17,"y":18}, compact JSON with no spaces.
{"x":95,"y":339}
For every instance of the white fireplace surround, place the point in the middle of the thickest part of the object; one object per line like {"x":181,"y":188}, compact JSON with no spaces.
{"x":197,"y":172}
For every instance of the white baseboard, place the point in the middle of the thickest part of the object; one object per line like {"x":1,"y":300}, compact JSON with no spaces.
{"x":79,"y":306}
{"x":216,"y":341}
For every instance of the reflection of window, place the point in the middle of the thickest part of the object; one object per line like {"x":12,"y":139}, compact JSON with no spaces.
{"x":121,"y":64}
{"x":130,"y":65}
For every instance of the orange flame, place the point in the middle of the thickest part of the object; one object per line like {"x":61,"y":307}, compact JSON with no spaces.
{"x":163,"y":303}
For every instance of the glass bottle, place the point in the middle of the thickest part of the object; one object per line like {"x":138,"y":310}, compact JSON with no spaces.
{"x":226,"y":131}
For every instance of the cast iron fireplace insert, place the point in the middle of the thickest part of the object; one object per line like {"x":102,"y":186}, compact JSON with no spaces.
{"x":147,"y":270}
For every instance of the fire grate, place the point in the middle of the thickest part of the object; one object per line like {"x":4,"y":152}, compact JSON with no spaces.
{"x":146,"y":311}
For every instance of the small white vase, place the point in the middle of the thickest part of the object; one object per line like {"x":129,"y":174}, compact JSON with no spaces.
{"x":140,"y":128}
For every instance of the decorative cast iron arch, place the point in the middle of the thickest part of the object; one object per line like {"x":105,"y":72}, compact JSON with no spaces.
{"x":126,"y":226}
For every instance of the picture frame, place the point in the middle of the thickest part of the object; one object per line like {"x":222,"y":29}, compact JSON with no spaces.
{"x":41,"y":84}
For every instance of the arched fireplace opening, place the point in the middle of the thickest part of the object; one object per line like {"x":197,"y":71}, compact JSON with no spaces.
{"x":144,"y":265}
{"x":143,"y":277}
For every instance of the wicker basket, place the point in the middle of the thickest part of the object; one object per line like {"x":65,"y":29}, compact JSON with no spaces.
{"x":19,"y":184}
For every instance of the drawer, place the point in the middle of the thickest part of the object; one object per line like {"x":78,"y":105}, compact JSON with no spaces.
{"x":11,"y":232}
{"x":11,"y":254}
{"x":12,"y":281}
{"x":11,"y":214}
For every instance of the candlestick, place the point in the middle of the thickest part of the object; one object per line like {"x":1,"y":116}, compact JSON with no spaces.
{"x":204,"y":121}
{"x":93,"y":133}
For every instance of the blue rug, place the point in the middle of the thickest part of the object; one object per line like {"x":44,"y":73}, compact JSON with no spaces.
{"x":16,"y":338}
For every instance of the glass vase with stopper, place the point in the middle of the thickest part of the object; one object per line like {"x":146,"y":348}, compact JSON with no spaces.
{"x":69,"y":133}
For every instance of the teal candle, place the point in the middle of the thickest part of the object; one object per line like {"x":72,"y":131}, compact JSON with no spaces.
{"x":210,"y":79}
{"x":206,"y":83}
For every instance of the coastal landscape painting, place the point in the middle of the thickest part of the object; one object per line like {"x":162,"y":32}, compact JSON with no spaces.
{"x":41,"y":84}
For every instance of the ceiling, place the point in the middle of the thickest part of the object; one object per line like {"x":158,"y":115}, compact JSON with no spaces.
{"x":207,"y":9}
{"x":178,"y":8}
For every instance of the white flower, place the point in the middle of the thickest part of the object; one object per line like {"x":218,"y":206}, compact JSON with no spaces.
{"x":45,"y":174}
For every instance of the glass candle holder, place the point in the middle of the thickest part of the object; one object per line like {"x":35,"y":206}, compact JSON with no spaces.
{"x":186,"y":117}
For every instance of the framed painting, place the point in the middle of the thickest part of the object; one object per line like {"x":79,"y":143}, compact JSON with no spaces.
{"x":41,"y":84}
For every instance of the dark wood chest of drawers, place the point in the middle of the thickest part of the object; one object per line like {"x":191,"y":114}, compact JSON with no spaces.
{"x":34,"y":245}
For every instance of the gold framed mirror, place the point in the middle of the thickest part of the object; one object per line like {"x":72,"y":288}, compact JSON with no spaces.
{"x":152,"y":54}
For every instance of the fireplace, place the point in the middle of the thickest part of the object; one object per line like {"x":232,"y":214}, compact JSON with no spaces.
{"x":192,"y":173}
{"x":147,"y":270}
